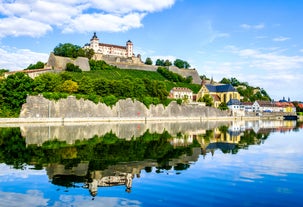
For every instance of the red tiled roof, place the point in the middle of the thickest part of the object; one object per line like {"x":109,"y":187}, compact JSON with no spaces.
{"x":284,"y":104}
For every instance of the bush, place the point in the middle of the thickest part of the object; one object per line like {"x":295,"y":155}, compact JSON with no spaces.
{"x":72,"y":68}
{"x":179,"y":101}
{"x":54,"y":95}
{"x":110,"y":100}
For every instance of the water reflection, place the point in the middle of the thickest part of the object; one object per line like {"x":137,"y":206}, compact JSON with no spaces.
{"x":104,"y":155}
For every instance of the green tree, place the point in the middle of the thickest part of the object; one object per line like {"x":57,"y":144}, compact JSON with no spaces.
{"x":225,"y":81}
{"x":14,"y":90}
{"x":181,"y":63}
{"x":72,"y":51}
{"x":38,"y":65}
{"x":99,"y":65}
{"x":2,"y":71}
{"x":72,"y":68}
{"x":223,"y":106}
{"x":167,"y":63}
{"x":86,"y":85}
{"x":207,"y":99}
{"x":69,"y":86}
{"x":159,"y":62}
{"x":89,"y":53}
{"x":47,"y":82}
{"x":148,"y":61}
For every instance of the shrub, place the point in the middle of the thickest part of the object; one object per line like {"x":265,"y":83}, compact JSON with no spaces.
{"x":72,"y":68}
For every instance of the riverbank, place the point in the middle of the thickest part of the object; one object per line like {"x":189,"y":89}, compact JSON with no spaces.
{"x":62,"y":120}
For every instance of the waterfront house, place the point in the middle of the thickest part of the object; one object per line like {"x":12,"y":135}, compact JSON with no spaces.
{"x":247,"y":106}
{"x":181,"y":93}
{"x":264,"y":106}
{"x":235,"y":106}
{"x":286,"y":107}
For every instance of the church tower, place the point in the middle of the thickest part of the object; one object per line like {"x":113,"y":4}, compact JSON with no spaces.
{"x":129,"y":49}
{"x":94,"y":43}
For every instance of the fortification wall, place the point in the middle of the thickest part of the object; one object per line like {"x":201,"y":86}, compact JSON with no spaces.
{"x":40,"y":107}
{"x":59,"y":63}
{"x":186,"y":73}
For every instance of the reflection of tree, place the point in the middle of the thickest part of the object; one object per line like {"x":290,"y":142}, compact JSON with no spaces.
{"x":99,"y":151}
{"x":13,"y":148}
{"x":251,"y":138}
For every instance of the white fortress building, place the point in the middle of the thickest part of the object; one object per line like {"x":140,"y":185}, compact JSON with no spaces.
{"x":109,"y":49}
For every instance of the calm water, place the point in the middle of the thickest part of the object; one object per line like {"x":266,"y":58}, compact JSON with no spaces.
{"x":167,"y":164}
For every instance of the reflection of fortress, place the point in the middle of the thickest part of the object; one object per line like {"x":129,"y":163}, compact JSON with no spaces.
{"x":209,"y":138}
{"x":114,"y":175}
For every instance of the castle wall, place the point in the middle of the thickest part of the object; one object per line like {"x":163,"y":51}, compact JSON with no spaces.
{"x":59,"y":63}
{"x":186,"y":73}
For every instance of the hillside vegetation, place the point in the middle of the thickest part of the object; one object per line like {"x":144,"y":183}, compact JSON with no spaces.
{"x":106,"y":84}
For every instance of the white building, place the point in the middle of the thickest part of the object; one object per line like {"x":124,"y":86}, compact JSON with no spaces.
{"x":181,"y":93}
{"x":109,"y":49}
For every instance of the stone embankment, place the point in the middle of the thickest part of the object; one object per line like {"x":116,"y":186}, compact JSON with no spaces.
{"x":69,"y":109}
{"x":38,"y":109}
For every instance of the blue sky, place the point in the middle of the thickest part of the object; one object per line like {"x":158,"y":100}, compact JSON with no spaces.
{"x":259,"y":42}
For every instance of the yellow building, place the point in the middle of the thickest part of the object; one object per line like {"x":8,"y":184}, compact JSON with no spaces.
{"x":219,"y":93}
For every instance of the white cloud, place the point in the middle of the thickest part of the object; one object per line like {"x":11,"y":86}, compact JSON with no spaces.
{"x":31,"y":198}
{"x":121,"y":6}
{"x":272,"y":61}
{"x":7,"y":173}
{"x":25,"y":57}
{"x":268,"y":68}
{"x":249,"y":26}
{"x":281,"y":39}
{"x":22,"y":27}
{"x":105,"y":22}
{"x":37,"y":17}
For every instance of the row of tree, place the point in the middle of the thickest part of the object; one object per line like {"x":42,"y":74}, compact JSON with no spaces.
{"x":160,"y":62}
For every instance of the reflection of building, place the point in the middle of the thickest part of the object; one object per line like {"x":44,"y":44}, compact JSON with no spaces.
{"x":115,"y":179}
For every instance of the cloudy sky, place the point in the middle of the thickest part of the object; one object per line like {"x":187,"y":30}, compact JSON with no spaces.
{"x":259,"y":42}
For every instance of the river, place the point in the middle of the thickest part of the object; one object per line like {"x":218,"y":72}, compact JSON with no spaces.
{"x":243,"y":163}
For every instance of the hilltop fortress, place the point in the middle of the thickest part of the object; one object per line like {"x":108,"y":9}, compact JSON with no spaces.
{"x":121,"y":56}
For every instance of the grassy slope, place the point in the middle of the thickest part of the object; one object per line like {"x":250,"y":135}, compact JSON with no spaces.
{"x":118,"y":74}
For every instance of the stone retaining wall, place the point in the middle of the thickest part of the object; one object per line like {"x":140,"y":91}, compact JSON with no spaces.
{"x":40,"y":107}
